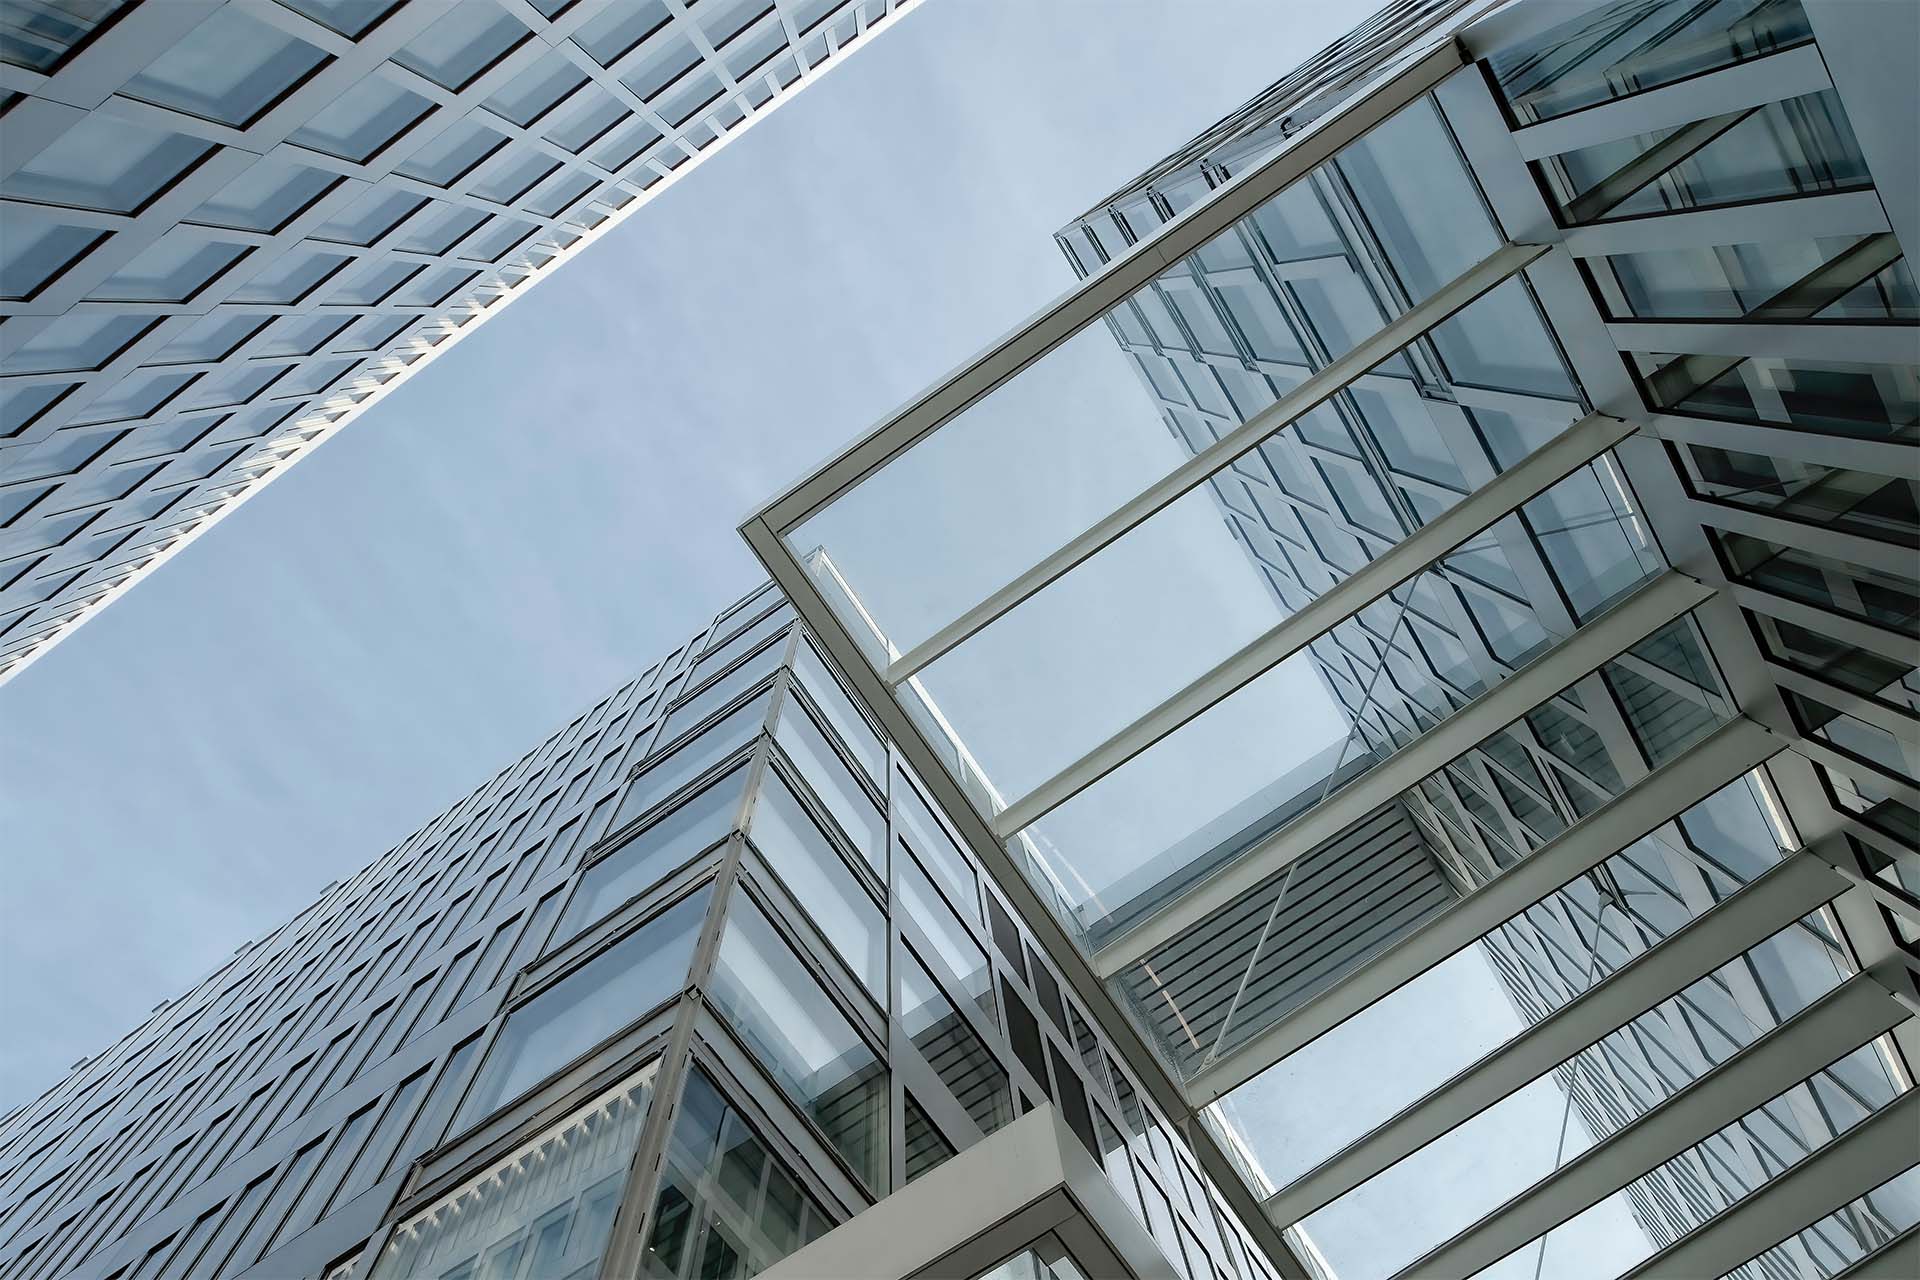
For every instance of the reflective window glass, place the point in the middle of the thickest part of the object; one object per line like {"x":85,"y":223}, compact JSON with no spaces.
{"x":952,"y":1048}
{"x":362,"y":120}
{"x":530,"y":94}
{"x":618,"y":28}
{"x":609,"y":992}
{"x":76,"y":341}
{"x":848,"y":725}
{"x":855,"y":813}
{"x":963,"y":959}
{"x":727,"y":1205}
{"x":684,"y":765}
{"x":105,"y":162}
{"x":470,"y":38}
{"x":544,"y":1209}
{"x":640,"y":862}
{"x":829,"y":893}
{"x":34,"y":248}
{"x":265,"y":197}
{"x":820,"y":1060}
{"x":171,"y":269}
{"x":228,"y":69}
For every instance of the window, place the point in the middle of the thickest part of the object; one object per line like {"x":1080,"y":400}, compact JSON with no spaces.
{"x":952,"y":1048}
{"x":764,"y":991}
{"x":854,"y":812}
{"x":727,"y":1206}
{"x":228,"y":69}
{"x":607,"y":993}
{"x":684,"y":765}
{"x":641,"y":861}
{"x":457,"y":48}
{"x":828,"y":891}
{"x":362,"y":120}
{"x":545,"y":1209}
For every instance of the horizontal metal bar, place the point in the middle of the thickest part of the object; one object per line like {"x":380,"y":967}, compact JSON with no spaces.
{"x":1674,"y":787}
{"x":1507,"y":492}
{"x":1835,"y":626}
{"x":1808,"y":534}
{"x":1880,"y":457}
{"x":1770,"y":339}
{"x":1392,"y":89}
{"x":1656,"y":603}
{"x":1476,"y":281}
{"x":1840,"y":213}
{"x":1842,"y":1020}
{"x":1835,"y":852}
{"x":1878,"y":1148}
{"x":1900,"y":788}
{"x":1758,"y":911}
{"x":1787,"y":74}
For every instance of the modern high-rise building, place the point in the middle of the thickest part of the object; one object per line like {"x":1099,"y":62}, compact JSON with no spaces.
{"x":227,"y":227}
{"x":1375,"y":737}
{"x":1433,"y":618}
{"x":688,"y":986}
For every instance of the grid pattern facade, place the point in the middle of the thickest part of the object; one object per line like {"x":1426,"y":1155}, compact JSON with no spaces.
{"x":1314,"y":503}
{"x":229,"y":226}
{"x":1556,"y":371}
{"x":694,"y":980}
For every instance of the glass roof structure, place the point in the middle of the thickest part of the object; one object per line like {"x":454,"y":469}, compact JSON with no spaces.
{"x":228,"y":227}
{"x":1432,"y":618}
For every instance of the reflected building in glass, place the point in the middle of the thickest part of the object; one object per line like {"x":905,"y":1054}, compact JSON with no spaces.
{"x":1475,"y":734}
{"x":1479,"y":835}
{"x":696,"y":980}
{"x":226,"y":229}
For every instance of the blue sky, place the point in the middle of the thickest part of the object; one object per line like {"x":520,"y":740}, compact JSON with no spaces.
{"x":552,"y":504}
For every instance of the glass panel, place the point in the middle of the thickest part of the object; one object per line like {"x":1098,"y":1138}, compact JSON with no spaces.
{"x":809,"y":1046}
{"x":1796,"y":146}
{"x":644,"y":859}
{"x":1759,"y":282}
{"x":662,"y":779}
{"x":722,"y":691}
{"x":848,"y":725}
{"x":459,"y":46}
{"x":727,"y":1206}
{"x":829,"y":893}
{"x":1628,"y":47}
{"x":607,"y":993}
{"x":1531,"y":1133}
{"x":228,"y":69}
{"x":1872,"y":595}
{"x":1699,"y":1183}
{"x":544,"y":1210}
{"x":105,"y":162}
{"x":952,"y":1048}
{"x":1831,"y":397}
{"x":859,"y":820}
{"x":362,"y":120}
{"x":962,"y":960}
{"x":927,"y":1148}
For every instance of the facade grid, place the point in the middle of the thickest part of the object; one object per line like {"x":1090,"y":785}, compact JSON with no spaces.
{"x":229,"y":227}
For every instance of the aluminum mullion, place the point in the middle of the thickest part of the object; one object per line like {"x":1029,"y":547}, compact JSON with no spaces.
{"x":1877,"y":1149}
{"x":1316,"y":390}
{"x":1651,"y":606}
{"x":1461,"y":523}
{"x":1412,"y":76}
{"x":1769,"y":904}
{"x":1676,"y":786}
{"x":1842,"y":1020}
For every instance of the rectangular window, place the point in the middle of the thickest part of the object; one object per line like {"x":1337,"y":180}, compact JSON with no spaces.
{"x":853,"y":810}
{"x":545,"y":1209}
{"x":641,"y":862}
{"x":829,"y":893}
{"x":950,"y":1046}
{"x":804,"y":1041}
{"x":727,"y":1206}
{"x":611,"y":991}
{"x":689,"y":762}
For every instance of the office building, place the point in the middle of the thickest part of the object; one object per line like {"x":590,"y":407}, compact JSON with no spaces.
{"x":1552,"y":375}
{"x":691,"y":983}
{"x":228,"y":227}
{"x":1477,"y":836}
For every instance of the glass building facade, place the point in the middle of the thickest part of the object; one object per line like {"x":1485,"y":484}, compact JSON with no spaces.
{"x":702,"y":976}
{"x":228,"y":228}
{"x":1520,"y":434}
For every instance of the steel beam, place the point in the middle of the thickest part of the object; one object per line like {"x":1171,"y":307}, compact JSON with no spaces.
{"x":1771,"y":903}
{"x":1656,"y":603}
{"x":1878,"y":1148}
{"x":1579,"y":444}
{"x":1491,"y":271}
{"x":1674,"y":787}
{"x":1842,"y":1020}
